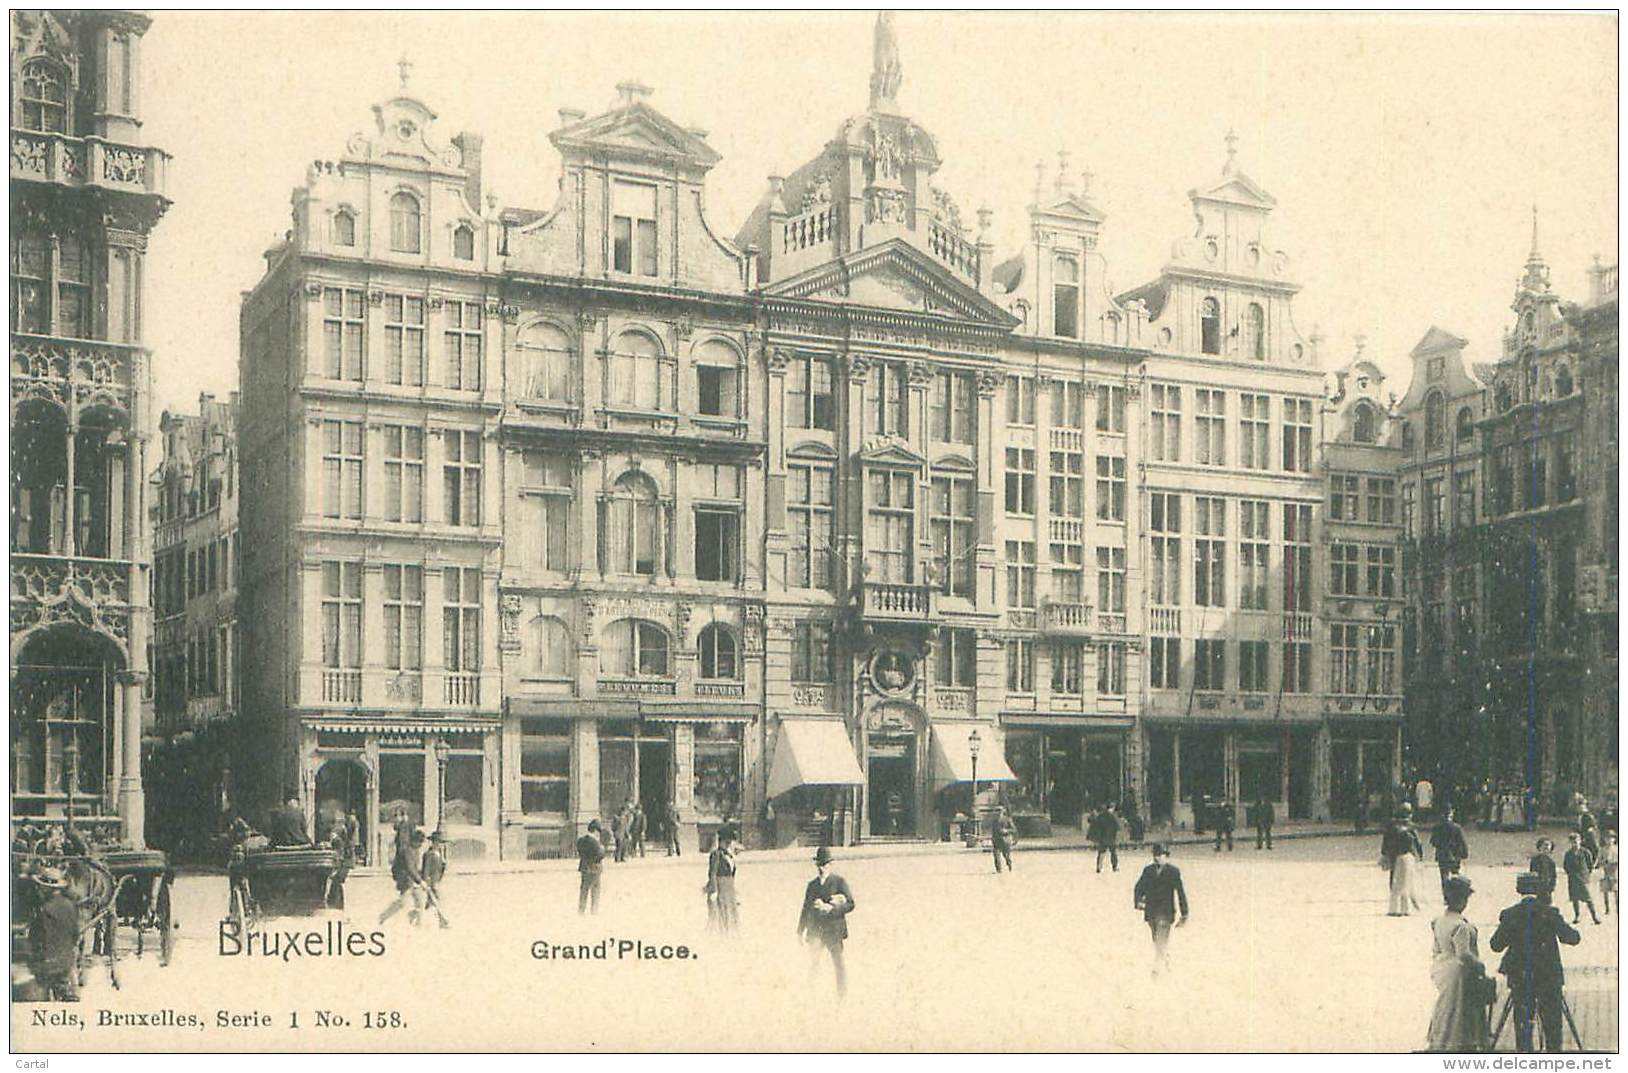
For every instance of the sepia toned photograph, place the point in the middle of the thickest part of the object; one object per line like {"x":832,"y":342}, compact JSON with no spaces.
{"x":791,"y":531}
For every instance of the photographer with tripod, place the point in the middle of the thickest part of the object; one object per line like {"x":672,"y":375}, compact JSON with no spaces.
{"x":1530,"y":933}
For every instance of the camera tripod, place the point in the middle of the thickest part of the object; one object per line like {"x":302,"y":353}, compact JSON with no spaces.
{"x":1509,"y":1008}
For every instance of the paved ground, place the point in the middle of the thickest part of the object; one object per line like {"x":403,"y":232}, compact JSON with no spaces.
{"x":1287,"y":950}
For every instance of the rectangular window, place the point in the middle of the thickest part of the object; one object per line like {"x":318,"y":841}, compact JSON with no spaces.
{"x":1382,"y":500}
{"x":1020,"y":400}
{"x":1209,"y":664}
{"x":811,"y":653}
{"x":546,"y":497}
{"x":956,"y":658}
{"x":1342,"y":658}
{"x":1019,"y":480}
{"x":1068,"y":669}
{"x":342,"y":469}
{"x":545,"y":766}
{"x":1068,"y":573}
{"x":463,"y":345}
{"x":717,"y":538}
{"x":73,"y":288}
{"x":809,"y":399}
{"x":342,"y":319}
{"x":403,"y":617}
{"x":1254,"y":531}
{"x":1381,"y":571}
{"x":953,"y":533}
{"x":1164,"y":423}
{"x":1209,"y":551}
{"x":1252,"y":666}
{"x":30,"y":281}
{"x":1165,"y":570}
{"x":810,"y":520}
{"x":1343,"y":570}
{"x":1110,"y":408}
{"x":403,"y":473}
{"x":1111,"y":488}
{"x":1020,"y":573}
{"x":1254,"y":431}
{"x":1381,"y":668}
{"x":1344,"y":498}
{"x":1110,"y":668}
{"x":1164,"y":662}
{"x":1212,"y":428}
{"x":1565,"y":451}
{"x":1501,"y":483}
{"x":1020,"y":665}
{"x":890,"y":528}
{"x":1296,"y":667}
{"x":888,"y":397}
{"x":342,"y":614}
{"x":460,"y":619}
{"x":1463,"y":499}
{"x":1067,"y":484}
{"x":1111,"y":580}
{"x":1435,"y":507}
{"x":404,"y":340}
{"x":1067,"y":404}
{"x":462,"y":477}
{"x":633,"y":228}
{"x":1408,"y":510}
{"x":1297,"y":579}
{"x":1536,"y":485}
{"x":715,"y":390}
{"x":953,"y":408}
{"x":1297,"y":435}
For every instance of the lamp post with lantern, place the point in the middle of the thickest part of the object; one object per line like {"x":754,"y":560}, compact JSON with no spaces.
{"x":974,"y":742}
{"x":442,"y":752}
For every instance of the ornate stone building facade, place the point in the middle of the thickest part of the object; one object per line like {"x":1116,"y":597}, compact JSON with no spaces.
{"x":86,"y":193}
{"x":1509,"y":502}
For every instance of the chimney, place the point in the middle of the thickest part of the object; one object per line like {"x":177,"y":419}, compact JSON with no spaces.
{"x":469,"y":144}
{"x":569,"y":116}
{"x":632,"y":92}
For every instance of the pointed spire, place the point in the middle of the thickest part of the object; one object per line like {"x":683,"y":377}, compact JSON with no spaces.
{"x":886,"y":70}
{"x":404,"y":68}
{"x":1064,"y":181}
{"x":1232,"y":152}
{"x":1534,"y":255}
{"x":1537,"y":270}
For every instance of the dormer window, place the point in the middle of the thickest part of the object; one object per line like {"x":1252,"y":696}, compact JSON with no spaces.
{"x":1364,"y":430}
{"x":1209,"y":326}
{"x":344,"y":228}
{"x":1435,"y":421}
{"x":405,"y":224}
{"x":463,"y":243}
{"x":1464,"y":425}
{"x":1256,"y":325}
{"x":1066,"y":298}
{"x":44,"y":97}
{"x":633,"y":228}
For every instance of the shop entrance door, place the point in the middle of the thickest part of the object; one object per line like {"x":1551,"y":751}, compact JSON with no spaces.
{"x":1161,"y":775}
{"x":655,"y":777}
{"x":891,"y":788}
{"x":1345,"y":779}
{"x":1102,"y":773}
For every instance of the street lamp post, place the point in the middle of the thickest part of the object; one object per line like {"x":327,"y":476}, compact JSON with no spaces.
{"x":973,"y":744}
{"x":442,"y":749}
{"x":70,"y":761}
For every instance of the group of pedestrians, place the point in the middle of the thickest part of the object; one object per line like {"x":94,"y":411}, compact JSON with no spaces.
{"x":418,"y":865}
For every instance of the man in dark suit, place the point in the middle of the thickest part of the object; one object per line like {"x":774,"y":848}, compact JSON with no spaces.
{"x":1262,"y":815}
{"x":1530,"y":933}
{"x":591,"y":864}
{"x":1542,"y":865}
{"x":827,"y":901}
{"x":1001,"y":833}
{"x":1451,"y":848}
{"x":1223,"y":815}
{"x":287,"y":826}
{"x":53,"y":939}
{"x":1158,"y":893}
{"x":1107,"y":838}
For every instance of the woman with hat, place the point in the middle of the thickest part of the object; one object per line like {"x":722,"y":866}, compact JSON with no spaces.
{"x":724,"y":910}
{"x":53,"y":938}
{"x":1459,"y":1020}
{"x":1400,"y":852}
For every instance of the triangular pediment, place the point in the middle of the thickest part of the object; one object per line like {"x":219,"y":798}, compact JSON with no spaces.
{"x":1071,"y":207}
{"x":889,"y":451}
{"x":894,"y":275}
{"x":638,"y":130}
{"x":1236,"y":189}
{"x":1436,"y":339}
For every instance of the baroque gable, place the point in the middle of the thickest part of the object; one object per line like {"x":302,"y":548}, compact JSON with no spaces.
{"x":637,"y":131}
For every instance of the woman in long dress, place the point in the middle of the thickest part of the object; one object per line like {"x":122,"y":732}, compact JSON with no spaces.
{"x":1402,"y":851}
{"x":1459,"y":1020}
{"x":725,"y":913}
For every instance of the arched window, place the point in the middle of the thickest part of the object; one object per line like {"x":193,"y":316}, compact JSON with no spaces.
{"x":1464,"y":425}
{"x":1435,"y":420}
{"x":405,"y":224}
{"x":636,"y":373}
{"x":634,"y":648}
{"x":1066,"y":297}
{"x":632,"y":531}
{"x":1256,"y":324}
{"x":1209,"y":326}
{"x":549,"y":643}
{"x":1365,"y":428}
{"x":716,"y":373}
{"x":344,"y":228}
{"x":44,"y":97}
{"x":1562,"y":382}
{"x":463,"y":243}
{"x":719,"y":657}
{"x":545,"y":362}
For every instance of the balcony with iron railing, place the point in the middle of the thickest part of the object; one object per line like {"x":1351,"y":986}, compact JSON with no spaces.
{"x":887,"y":601}
{"x":87,"y":162}
{"x":1066,"y":619}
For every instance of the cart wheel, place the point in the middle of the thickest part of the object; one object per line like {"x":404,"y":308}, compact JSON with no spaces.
{"x":166,"y":926}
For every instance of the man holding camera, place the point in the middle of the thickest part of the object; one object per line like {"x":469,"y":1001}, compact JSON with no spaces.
{"x":1530,"y":933}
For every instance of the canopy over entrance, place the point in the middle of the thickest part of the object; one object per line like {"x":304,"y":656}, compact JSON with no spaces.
{"x":952,"y":754}
{"x":813,"y":752}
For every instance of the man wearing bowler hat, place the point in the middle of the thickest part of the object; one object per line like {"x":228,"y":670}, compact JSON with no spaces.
{"x":53,"y":939}
{"x":827,"y":901}
{"x":1158,"y":892}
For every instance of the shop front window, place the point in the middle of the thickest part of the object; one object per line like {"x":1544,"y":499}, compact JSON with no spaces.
{"x":718,"y":768}
{"x":401,"y":789}
{"x":462,"y":792}
{"x":545,"y":768}
{"x":1023,"y":753}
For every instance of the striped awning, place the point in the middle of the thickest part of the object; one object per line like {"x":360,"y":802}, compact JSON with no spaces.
{"x":403,"y":726}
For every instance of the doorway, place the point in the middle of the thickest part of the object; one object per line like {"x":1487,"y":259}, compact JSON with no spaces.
{"x":1103,"y":770}
{"x":342,"y":790}
{"x":655,"y":776}
{"x":1161,"y":787}
{"x":891,"y":786}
